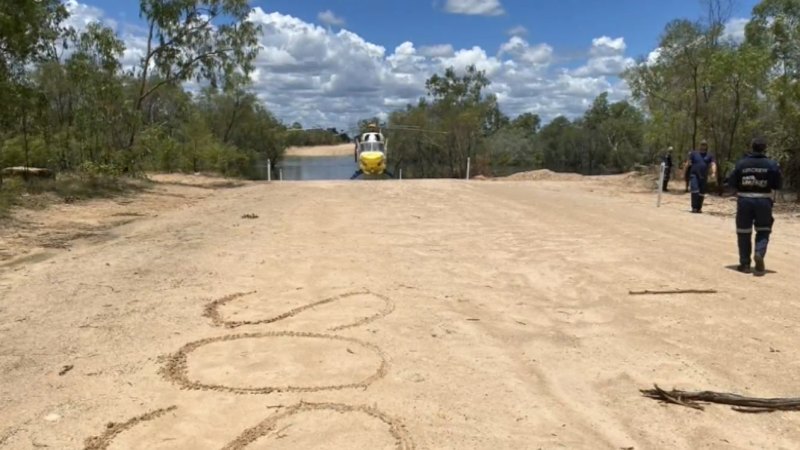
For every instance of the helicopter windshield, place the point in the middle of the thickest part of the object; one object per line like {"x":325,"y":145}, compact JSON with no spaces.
{"x":372,"y":146}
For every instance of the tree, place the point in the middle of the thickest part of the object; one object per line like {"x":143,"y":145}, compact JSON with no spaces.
{"x":93,"y":92}
{"x":737,"y":75}
{"x":775,"y":31}
{"x":495,"y":120}
{"x":27,"y":32}
{"x":527,"y":122}
{"x":597,"y":144}
{"x":364,"y":124}
{"x":512,"y":149}
{"x":209,"y":40}
{"x":451,"y":89}
{"x":623,"y":130}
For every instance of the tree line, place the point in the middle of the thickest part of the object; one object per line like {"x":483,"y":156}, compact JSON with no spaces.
{"x":457,"y":120}
{"x":71,"y":105}
{"x":298,"y":136}
{"x":702,"y":85}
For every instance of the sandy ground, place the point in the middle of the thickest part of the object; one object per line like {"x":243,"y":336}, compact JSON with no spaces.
{"x":321,"y":150}
{"x":438,"y":314}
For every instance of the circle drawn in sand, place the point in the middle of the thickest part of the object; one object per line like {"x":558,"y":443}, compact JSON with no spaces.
{"x":212,"y":311}
{"x":396,"y":429}
{"x":176,"y":368}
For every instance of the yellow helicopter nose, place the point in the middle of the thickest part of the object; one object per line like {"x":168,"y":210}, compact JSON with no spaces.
{"x":372,"y":163}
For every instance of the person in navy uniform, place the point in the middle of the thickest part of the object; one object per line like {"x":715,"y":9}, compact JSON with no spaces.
{"x":756,"y":179}
{"x":699,"y":165}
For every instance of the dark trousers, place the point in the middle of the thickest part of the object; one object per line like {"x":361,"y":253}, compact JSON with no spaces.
{"x":665,"y":186}
{"x":753,"y":212}
{"x":699,"y":188}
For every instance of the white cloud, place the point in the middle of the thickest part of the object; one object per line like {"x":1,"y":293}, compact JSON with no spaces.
{"x":519,"y":30}
{"x":653,"y":56}
{"x":474,"y":56}
{"x":537,"y":55}
{"x":329,"y":18}
{"x":606,"y":46}
{"x":322,"y":77}
{"x":734,"y":29}
{"x":405,"y":59}
{"x":606,"y":58}
{"x":606,"y":66}
{"x":81,"y":15}
{"x":475,"y":7}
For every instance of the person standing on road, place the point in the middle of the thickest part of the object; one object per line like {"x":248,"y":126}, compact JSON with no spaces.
{"x":700,"y":165}
{"x":757,"y":180}
{"x":667,"y":160}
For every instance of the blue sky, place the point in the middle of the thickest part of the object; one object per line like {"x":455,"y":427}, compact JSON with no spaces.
{"x":544,"y":56}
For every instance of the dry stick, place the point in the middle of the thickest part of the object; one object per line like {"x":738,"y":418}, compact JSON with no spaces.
{"x":679,"y":291}
{"x":740,"y":403}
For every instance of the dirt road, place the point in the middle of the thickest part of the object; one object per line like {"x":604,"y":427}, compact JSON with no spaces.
{"x":411,"y":314}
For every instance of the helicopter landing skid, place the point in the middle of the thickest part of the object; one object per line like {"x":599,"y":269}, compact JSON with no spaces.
{"x":360,"y":173}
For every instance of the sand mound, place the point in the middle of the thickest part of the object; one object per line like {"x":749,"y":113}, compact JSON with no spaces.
{"x":544,"y":174}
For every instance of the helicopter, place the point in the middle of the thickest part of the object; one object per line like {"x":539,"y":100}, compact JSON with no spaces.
{"x":372,"y":149}
{"x":370,"y":153}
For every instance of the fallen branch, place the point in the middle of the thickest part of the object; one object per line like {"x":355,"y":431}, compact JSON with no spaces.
{"x":678,"y":291}
{"x":740,"y":403}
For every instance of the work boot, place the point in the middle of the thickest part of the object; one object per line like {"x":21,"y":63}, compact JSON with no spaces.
{"x":744,"y":268}
{"x":760,"y":268}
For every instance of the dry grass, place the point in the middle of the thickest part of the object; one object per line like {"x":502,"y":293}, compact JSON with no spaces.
{"x":38,"y":193}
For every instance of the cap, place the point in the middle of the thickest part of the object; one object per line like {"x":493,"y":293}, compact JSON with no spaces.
{"x":704,"y":142}
{"x":759,"y":144}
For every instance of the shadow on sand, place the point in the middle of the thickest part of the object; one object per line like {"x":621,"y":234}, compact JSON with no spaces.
{"x":735,"y":269}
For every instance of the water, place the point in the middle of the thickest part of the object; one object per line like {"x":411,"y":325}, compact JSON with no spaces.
{"x":316,"y":168}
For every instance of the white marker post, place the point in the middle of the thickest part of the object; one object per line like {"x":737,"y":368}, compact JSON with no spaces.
{"x":401,"y":174}
{"x":280,"y":174}
{"x":269,"y":170}
{"x":661,"y":184}
{"x":468,"y":161}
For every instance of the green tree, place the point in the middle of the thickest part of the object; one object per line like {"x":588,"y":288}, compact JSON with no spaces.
{"x":560,"y":140}
{"x":528,"y":122}
{"x":28,"y":31}
{"x":775,"y":30}
{"x":208,"y":40}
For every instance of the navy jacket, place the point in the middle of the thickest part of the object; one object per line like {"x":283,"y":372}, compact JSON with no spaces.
{"x":699,"y":163}
{"x":667,"y":159}
{"x":757,"y":175}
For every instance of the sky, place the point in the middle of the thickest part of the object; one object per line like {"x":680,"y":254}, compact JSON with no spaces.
{"x":330,"y":63}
